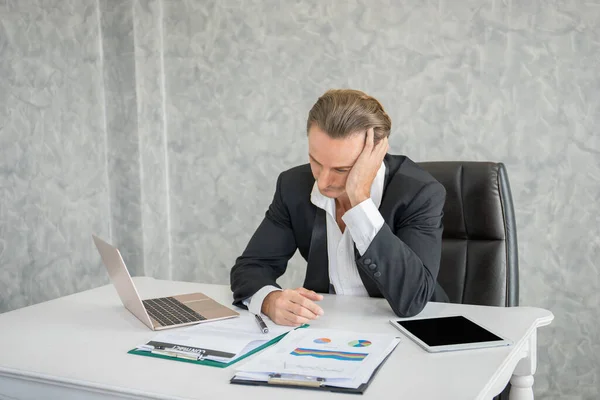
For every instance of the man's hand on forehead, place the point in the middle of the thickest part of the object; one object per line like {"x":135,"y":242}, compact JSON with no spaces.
{"x":362,"y":175}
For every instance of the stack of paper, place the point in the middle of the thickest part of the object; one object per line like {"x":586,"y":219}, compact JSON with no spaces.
{"x":325,"y":357}
{"x":221,"y":341}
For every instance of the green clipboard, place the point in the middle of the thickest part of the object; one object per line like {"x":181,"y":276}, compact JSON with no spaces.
{"x":212,"y":363}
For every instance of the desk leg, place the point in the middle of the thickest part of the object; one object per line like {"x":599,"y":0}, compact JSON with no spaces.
{"x":522,"y":378}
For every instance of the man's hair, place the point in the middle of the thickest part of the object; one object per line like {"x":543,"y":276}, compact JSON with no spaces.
{"x":344,"y":112}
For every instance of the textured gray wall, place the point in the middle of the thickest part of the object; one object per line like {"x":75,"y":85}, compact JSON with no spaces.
{"x":162,"y":126}
{"x":53,"y":175}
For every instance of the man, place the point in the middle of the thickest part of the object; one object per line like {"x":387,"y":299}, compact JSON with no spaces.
{"x":368,"y":223}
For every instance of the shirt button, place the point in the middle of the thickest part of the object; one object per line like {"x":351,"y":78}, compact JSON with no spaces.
{"x":377,"y":274}
{"x":372,"y":267}
{"x":368,"y":261}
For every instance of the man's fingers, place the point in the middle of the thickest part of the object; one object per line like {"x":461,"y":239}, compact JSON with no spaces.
{"x":309,"y":294}
{"x":384,"y":146}
{"x":306,"y":303}
{"x":293,"y":319}
{"x":370,"y":139}
{"x":380,"y":151}
{"x":290,"y":307}
{"x":280,"y":318}
{"x":302,"y":311}
{"x":294,"y":307}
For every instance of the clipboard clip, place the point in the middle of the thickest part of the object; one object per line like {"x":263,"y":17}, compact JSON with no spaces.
{"x":296,"y":380}
{"x":179,"y":354}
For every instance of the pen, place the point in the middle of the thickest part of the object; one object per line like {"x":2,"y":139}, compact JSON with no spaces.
{"x":261,"y":324}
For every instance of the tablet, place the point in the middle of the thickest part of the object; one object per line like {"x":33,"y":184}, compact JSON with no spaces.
{"x":448,"y":333}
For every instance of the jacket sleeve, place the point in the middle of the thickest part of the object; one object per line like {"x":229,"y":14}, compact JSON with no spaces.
{"x":404,"y":260}
{"x":266,"y":257}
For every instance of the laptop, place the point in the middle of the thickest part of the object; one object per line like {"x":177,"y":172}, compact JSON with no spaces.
{"x":164,"y":312}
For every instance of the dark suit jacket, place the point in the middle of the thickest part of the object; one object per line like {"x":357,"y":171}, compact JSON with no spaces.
{"x":401,"y":264}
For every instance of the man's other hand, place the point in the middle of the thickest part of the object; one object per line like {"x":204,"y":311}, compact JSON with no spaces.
{"x":292,"y":307}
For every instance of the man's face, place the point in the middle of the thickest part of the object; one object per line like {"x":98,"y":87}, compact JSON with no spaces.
{"x":332,"y":159}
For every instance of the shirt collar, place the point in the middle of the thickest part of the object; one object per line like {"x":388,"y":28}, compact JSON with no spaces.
{"x":328,"y":204}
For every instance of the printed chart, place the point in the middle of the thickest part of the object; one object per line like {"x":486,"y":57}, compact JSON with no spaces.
{"x":324,"y":353}
{"x":360,"y":343}
{"x":334,"y":355}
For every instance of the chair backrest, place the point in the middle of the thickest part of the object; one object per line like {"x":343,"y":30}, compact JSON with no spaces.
{"x":479,"y":247}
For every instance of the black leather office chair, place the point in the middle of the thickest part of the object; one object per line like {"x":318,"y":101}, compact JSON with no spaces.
{"x":479,"y":245}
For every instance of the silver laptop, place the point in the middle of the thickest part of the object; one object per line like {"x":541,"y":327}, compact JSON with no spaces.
{"x":164,"y":312}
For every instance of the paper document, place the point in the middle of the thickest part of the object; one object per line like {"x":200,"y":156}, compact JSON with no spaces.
{"x":333,"y":357}
{"x":222,"y":341}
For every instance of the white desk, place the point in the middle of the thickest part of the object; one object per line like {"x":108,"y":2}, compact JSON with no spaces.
{"x":76,"y":347}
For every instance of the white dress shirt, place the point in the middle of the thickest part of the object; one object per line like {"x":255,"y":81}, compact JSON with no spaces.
{"x":363,"y":222}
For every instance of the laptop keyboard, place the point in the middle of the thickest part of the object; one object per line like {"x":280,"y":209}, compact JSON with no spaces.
{"x":169,"y":311}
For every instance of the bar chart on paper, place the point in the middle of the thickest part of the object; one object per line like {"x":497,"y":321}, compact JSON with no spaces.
{"x":334,"y":355}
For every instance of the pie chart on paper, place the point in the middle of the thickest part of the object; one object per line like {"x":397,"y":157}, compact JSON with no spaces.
{"x":322,"y":340}
{"x":359,"y":343}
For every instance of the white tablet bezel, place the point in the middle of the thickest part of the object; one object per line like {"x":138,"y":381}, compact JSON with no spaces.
{"x":451,"y":347}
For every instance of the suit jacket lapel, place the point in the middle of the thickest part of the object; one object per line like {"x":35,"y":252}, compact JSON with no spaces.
{"x":317,"y":270}
{"x":391,"y":168}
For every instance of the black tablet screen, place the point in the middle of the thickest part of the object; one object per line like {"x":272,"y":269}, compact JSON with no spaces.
{"x":445,"y":331}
